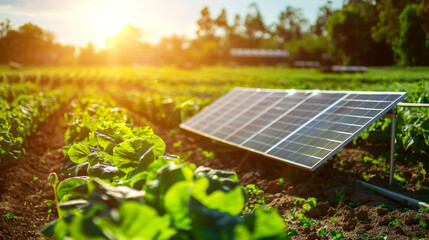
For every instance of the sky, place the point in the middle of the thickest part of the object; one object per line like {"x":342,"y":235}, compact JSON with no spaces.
{"x":78,"y":22}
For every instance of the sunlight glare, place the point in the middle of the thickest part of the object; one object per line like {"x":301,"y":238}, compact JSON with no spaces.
{"x":108,"y":18}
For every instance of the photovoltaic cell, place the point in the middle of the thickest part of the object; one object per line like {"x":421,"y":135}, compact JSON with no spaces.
{"x":304,"y":128}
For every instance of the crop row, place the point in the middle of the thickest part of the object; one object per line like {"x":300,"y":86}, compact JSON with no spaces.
{"x":173,"y":95}
{"x":22,"y":109}
{"x":166,"y":110}
{"x":123,"y":187}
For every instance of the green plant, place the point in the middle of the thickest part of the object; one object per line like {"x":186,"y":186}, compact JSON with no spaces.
{"x":367,"y":176}
{"x":133,"y":191}
{"x":394,"y":223}
{"x":48,"y":204}
{"x":53,"y":180}
{"x":310,"y":203}
{"x":9,"y":216}
{"x":422,"y":170}
{"x":257,"y":195}
{"x":291,"y":232}
{"x":381,"y":237}
{"x":177,"y":144}
{"x":253,"y":190}
{"x":21,"y":113}
{"x":387,"y":206}
{"x":339,"y":195}
{"x":423,"y":210}
{"x":336,"y":235}
{"x":397,"y":176}
{"x":323,"y":232}
{"x":305,"y":221}
{"x":207,"y":154}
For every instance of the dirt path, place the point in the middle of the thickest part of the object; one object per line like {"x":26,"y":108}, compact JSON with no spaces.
{"x":24,"y":191}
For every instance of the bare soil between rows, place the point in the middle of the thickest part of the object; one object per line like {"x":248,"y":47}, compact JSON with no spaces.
{"x":24,"y":190}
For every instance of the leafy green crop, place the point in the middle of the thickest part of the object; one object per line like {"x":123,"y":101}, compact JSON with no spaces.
{"x":168,"y":110}
{"x":132,"y":191}
{"x":21,"y":113}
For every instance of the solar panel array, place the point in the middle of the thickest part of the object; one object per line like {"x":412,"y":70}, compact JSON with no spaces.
{"x":304,"y":128}
{"x":256,"y":52}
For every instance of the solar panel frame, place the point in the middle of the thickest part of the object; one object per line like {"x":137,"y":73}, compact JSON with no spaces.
{"x":399,"y":97}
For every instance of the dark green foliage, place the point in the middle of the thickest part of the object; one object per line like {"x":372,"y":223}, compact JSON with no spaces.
{"x":350,"y":32}
{"x":412,"y":46}
{"x":309,"y":48}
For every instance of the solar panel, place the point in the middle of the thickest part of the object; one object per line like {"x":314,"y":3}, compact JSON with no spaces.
{"x":301,"y":127}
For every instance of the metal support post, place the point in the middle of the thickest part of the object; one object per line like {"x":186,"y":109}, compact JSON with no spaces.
{"x":392,"y":147}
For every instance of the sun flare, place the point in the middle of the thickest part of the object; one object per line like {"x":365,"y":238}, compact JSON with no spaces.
{"x":108,"y":19}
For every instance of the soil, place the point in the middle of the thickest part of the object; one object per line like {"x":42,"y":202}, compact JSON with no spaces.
{"x":24,"y":190}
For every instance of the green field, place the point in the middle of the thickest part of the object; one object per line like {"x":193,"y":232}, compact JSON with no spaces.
{"x":113,"y":163}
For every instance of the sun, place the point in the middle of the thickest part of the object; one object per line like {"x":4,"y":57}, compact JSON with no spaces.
{"x":108,"y":19}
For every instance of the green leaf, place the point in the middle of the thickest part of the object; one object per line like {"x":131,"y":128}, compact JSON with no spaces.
{"x":241,"y":232}
{"x":48,"y":230}
{"x":67,"y":185}
{"x":133,"y":154}
{"x":312,"y":201}
{"x":167,"y":176}
{"x":136,"y":221}
{"x":267,"y":224}
{"x":407,"y":141}
{"x":78,"y":153}
{"x":53,"y":179}
{"x":177,"y":204}
{"x":143,"y":132}
{"x":104,"y":171}
{"x":158,"y":146}
{"x":219,"y":179}
{"x":84,"y":228}
{"x":229,"y":202}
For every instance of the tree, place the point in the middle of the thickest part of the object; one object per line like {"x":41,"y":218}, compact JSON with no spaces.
{"x":5,"y":27}
{"x":291,"y":24}
{"x":349,"y":31}
{"x":30,"y":44}
{"x":255,"y":29}
{"x":412,"y":45}
{"x":309,"y":48}
{"x":206,"y":25}
{"x":221,"y":21}
{"x":386,"y":28}
{"x":424,"y":14}
{"x":172,"y":49}
{"x":235,"y":36}
{"x":87,"y":55}
{"x":325,"y":11}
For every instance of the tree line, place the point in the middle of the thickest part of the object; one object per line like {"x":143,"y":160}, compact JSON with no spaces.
{"x":362,"y":32}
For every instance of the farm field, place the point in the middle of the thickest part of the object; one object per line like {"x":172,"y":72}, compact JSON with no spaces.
{"x":111,"y":137}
